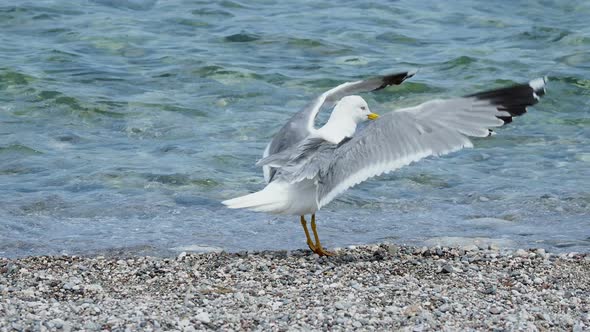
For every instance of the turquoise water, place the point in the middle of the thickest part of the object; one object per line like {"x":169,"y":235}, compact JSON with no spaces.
{"x":124,"y":123}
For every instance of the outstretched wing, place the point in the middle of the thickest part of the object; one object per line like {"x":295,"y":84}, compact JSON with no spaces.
{"x":407,"y":135}
{"x":293,"y":155}
{"x":301,"y":124}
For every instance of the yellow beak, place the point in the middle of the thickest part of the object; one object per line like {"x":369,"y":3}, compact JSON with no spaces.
{"x":372,"y":116}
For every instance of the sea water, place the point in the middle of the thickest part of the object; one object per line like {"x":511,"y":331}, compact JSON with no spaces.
{"x":123,"y":124}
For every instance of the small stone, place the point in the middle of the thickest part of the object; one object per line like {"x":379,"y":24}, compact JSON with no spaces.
{"x":391,"y":309}
{"x":91,"y":326}
{"x":239,"y":296}
{"x":490,"y":290}
{"x":521,"y":253}
{"x":420,"y":251}
{"x":568,"y":320}
{"x":495,"y":310}
{"x":538,"y":281}
{"x":412,"y":310}
{"x":96,"y":288}
{"x":185,"y":322}
{"x":542,"y":316}
{"x":181,"y":256}
{"x":282,"y":254}
{"x":341,"y":305}
{"x":448,"y":268}
{"x":203,"y":317}
{"x":444,"y":308}
{"x":29,"y":293}
{"x":57,"y":323}
{"x":95,"y":310}
{"x":357,"y":324}
{"x":392,"y":249}
{"x":471,"y":247}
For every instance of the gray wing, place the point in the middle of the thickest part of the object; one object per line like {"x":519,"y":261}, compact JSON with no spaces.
{"x":293,"y":155}
{"x":301,"y":124}
{"x":407,"y":135}
{"x":303,"y":161}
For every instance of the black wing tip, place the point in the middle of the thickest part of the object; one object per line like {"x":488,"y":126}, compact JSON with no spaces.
{"x":395,"y":79}
{"x":515,"y":99}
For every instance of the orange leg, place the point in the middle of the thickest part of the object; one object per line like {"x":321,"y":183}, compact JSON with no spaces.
{"x":318,"y":246}
{"x":309,"y":241}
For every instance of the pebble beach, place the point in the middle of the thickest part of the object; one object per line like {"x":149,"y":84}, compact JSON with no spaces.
{"x":125,"y":123}
{"x":377,"y":287}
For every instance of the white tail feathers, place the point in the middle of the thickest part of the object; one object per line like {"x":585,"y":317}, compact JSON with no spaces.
{"x":273,"y":198}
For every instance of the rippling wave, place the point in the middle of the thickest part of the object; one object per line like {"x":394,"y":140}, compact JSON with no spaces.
{"x":124,"y":123}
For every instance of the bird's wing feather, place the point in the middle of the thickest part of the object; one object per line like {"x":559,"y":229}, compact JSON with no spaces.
{"x":293,"y":155}
{"x":301,"y":123}
{"x":407,"y":135}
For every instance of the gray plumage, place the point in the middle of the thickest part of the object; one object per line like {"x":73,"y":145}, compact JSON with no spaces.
{"x":300,"y":125}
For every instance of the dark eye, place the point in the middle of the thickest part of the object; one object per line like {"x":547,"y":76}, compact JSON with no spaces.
{"x":363,"y":108}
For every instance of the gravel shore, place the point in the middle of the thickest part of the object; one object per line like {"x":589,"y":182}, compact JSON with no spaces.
{"x":362,"y":288}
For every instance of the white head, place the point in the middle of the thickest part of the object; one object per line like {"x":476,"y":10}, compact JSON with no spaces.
{"x":355,"y":108}
{"x":348,"y":112}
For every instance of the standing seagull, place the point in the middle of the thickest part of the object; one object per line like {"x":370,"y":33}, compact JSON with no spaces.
{"x":307,"y":167}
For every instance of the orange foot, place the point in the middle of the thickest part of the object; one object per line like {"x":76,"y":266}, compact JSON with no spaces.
{"x":317,"y":246}
{"x":322,"y":252}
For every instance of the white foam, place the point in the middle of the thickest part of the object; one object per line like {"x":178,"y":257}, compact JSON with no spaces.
{"x":197,"y":248}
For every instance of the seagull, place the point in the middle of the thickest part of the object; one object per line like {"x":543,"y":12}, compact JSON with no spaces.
{"x":306,"y":168}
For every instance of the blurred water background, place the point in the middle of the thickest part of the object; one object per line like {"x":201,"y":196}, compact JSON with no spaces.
{"x":123,"y":124}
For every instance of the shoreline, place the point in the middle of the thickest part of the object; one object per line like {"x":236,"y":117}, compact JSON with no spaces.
{"x":372,"y":287}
